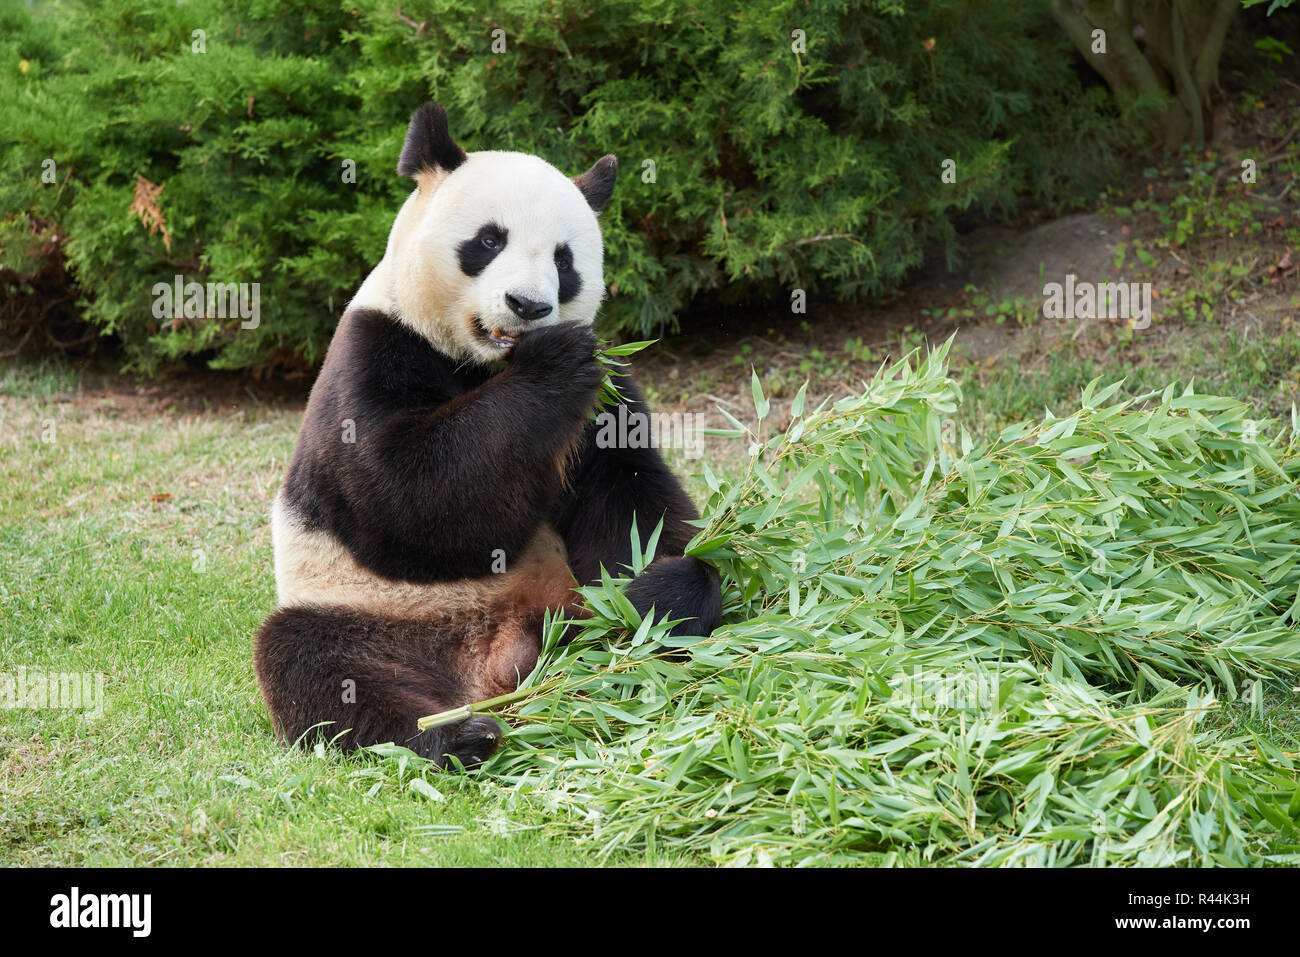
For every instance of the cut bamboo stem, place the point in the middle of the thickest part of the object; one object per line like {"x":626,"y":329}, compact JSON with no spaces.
{"x":466,"y":711}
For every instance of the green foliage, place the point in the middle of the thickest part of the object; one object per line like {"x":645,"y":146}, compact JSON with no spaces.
{"x":772,"y":169}
{"x":1017,"y":652}
{"x":1205,"y":212}
{"x":1200,"y":198}
{"x":610,"y":359}
{"x":1273,"y":5}
{"x":982,"y":304}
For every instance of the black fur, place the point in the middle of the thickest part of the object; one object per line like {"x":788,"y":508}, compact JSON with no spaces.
{"x":680,"y":587}
{"x":607,"y":488}
{"x":570,"y":281}
{"x":429,"y":145}
{"x":597,"y":184}
{"x":475,"y":253}
{"x":451,"y":462}
{"x":365,"y":679}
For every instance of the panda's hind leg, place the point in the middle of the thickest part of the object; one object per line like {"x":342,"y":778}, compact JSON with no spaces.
{"x":371,"y":677}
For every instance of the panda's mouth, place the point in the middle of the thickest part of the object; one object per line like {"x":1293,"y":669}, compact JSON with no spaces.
{"x":499,"y":337}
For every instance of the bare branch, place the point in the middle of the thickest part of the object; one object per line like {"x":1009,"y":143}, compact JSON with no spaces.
{"x":825,"y":237}
{"x":421,"y":28}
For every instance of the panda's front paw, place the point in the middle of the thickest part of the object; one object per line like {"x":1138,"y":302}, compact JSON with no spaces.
{"x":562,"y":356}
{"x":473,"y":741}
{"x":679,"y":587}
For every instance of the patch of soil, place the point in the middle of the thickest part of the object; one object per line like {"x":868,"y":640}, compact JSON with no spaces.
{"x":198,"y":391}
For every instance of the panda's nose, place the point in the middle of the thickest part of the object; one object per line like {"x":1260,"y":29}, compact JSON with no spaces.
{"x":527,"y":309}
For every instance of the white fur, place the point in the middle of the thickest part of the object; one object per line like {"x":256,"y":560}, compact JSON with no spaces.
{"x":314,"y":568}
{"x":420,"y":280}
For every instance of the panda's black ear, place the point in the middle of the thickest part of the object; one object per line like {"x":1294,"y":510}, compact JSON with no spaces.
{"x":597,"y":184}
{"x":429,"y":147}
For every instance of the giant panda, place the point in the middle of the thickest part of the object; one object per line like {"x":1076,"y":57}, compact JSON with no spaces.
{"x":447,"y":487}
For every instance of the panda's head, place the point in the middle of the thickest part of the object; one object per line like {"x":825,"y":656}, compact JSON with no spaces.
{"x":492,"y":245}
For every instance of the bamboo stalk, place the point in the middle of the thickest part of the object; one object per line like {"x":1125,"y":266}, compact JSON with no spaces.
{"x":467,"y":711}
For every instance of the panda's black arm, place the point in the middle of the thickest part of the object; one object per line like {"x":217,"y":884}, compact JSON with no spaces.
{"x":448,"y":489}
{"x":595,"y":513}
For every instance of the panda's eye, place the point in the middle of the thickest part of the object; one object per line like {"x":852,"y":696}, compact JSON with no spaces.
{"x":478,"y":250}
{"x":570,"y":281}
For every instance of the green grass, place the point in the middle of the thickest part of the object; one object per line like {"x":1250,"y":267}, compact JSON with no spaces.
{"x":1263,"y":371}
{"x":163,"y":598}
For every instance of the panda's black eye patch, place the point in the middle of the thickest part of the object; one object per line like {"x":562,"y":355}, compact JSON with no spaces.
{"x":570,"y":281}
{"x":475,"y":253}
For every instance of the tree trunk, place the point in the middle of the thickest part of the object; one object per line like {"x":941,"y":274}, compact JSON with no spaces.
{"x":1179,"y":66}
